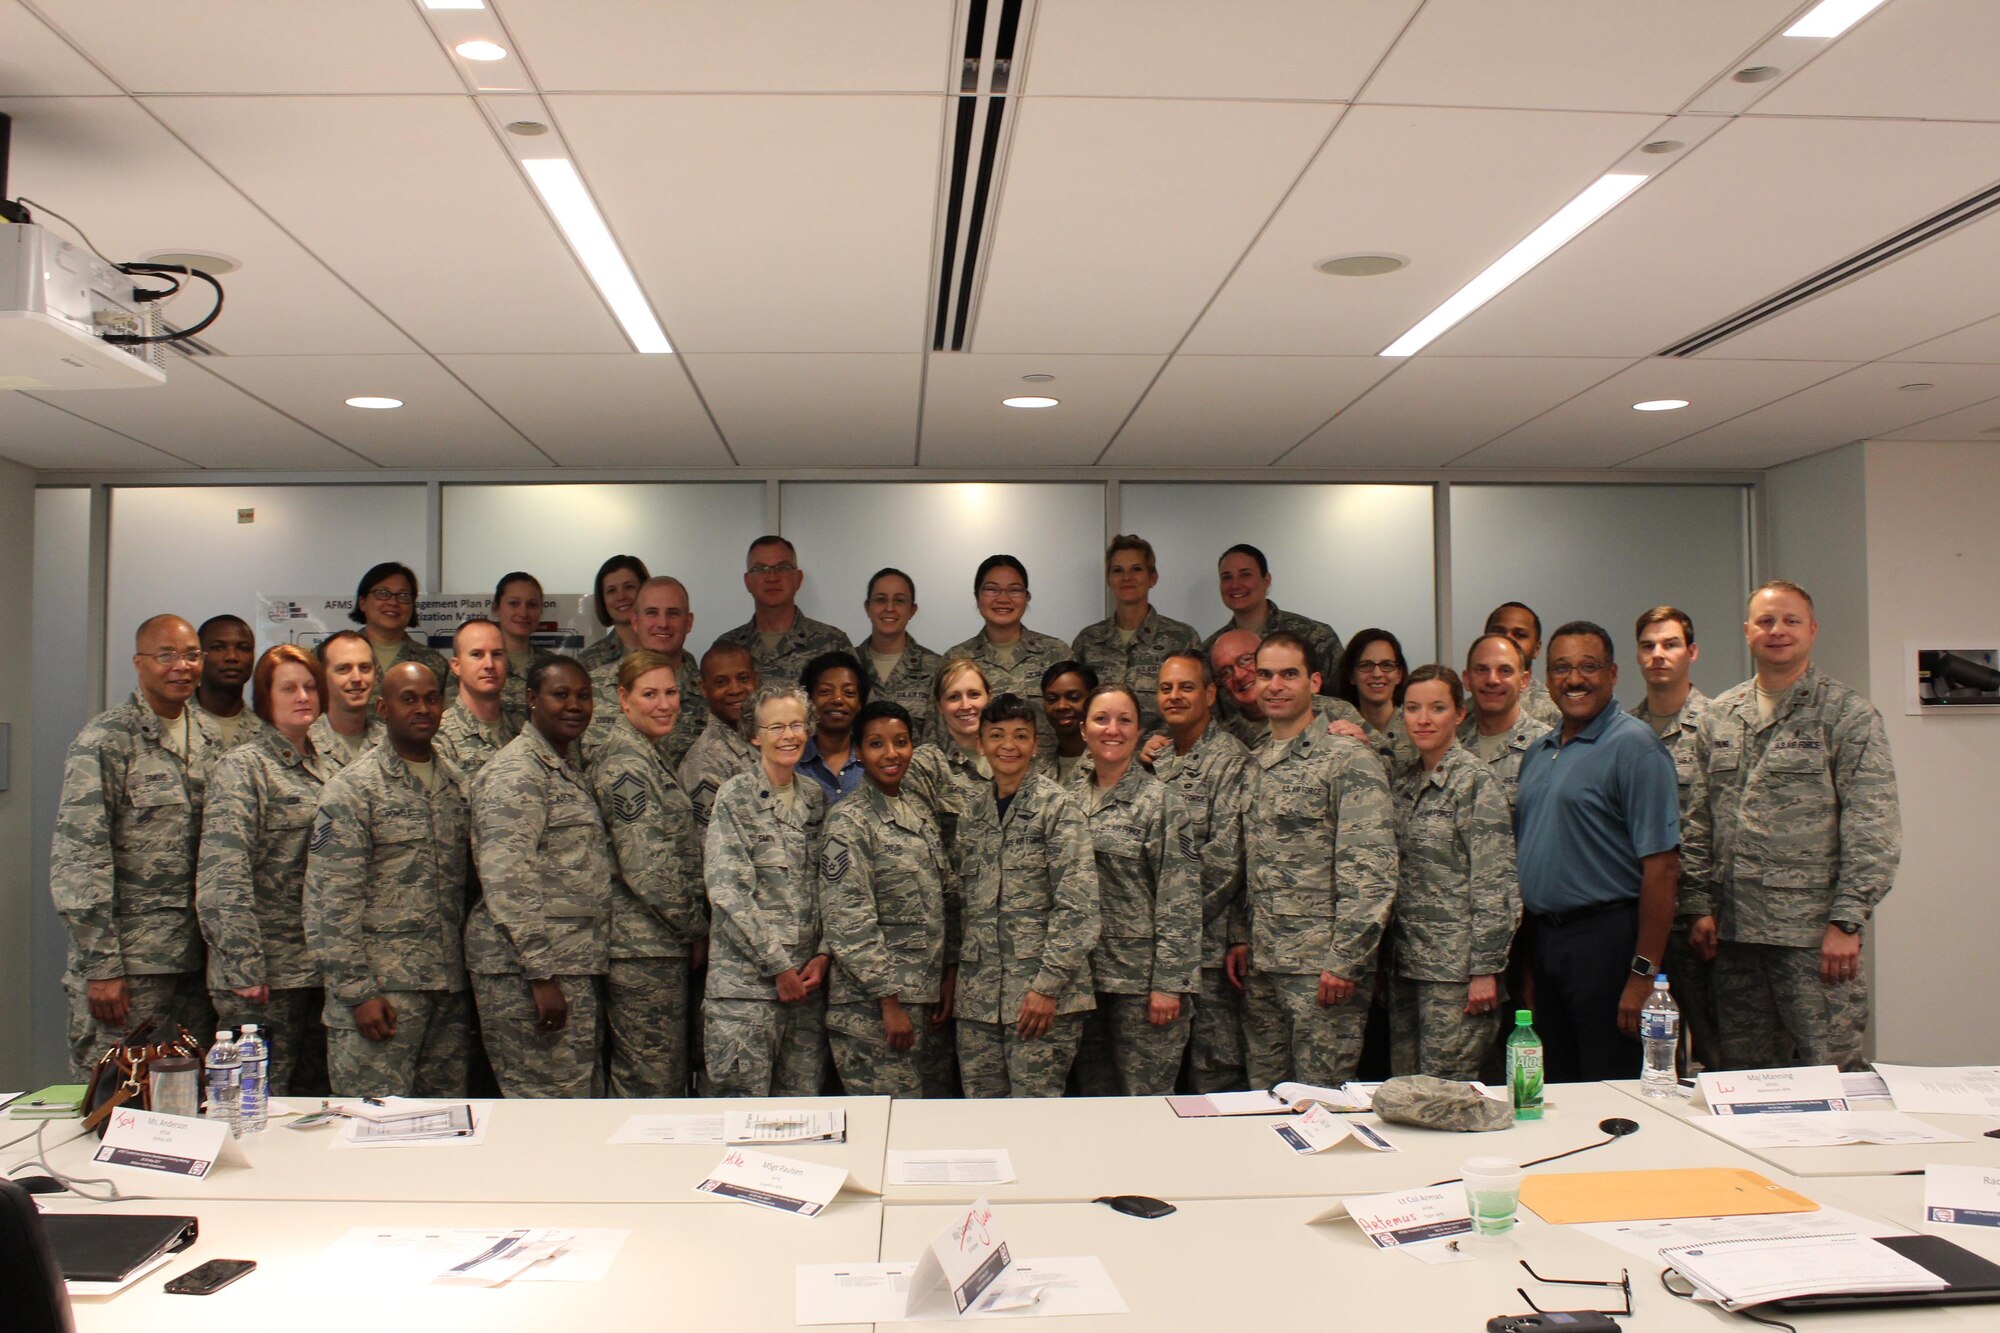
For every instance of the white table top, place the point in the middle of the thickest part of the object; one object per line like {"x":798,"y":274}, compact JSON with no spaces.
{"x":1073,"y":1149}
{"x":684,"y":1266}
{"x":1853,"y":1159}
{"x":544,"y":1151}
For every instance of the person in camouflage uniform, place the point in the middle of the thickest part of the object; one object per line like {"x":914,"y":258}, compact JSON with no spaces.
{"x":1031,"y":919}
{"x":728,"y":680}
{"x":1244,"y":577}
{"x":539,"y":938}
{"x":889,"y":906}
{"x":1127,"y":646}
{"x":1793,"y":835}
{"x":1458,"y":902}
{"x":122,"y":861}
{"x":764,"y":1013}
{"x":897,"y":666}
{"x":661,"y":620}
{"x":949,"y":772}
{"x":1518,"y":621}
{"x":1320,"y":856}
{"x":251,"y":875}
{"x":1498,"y":730}
{"x":517,"y":606}
{"x":1244,"y":718}
{"x":1065,"y":687}
{"x":228,"y":654}
{"x":779,"y":637}
{"x":659,"y":921}
{"x":477,"y":726}
{"x":1370,"y":676}
{"x":1673,"y":708}
{"x":613,"y":592}
{"x":385,"y":605}
{"x":1207,"y":769}
{"x":384,"y":906}
{"x":1148,"y":951}
{"x":350,"y":726}
{"x":1012,"y":657}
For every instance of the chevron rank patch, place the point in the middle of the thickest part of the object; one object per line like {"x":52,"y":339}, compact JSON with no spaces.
{"x":834,"y":861}
{"x":703,"y":797}
{"x":628,"y":798}
{"x":1189,"y":847}
{"x":322,"y":833}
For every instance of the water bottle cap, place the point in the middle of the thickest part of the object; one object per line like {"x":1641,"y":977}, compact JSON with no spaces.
{"x":224,"y":1035}
{"x":1523,"y":1017}
{"x":1660,"y":980}
{"x":249,"y":1028}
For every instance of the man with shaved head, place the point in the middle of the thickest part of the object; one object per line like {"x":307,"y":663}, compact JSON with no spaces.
{"x":122,"y":862}
{"x":662,"y":615}
{"x":228,"y":655}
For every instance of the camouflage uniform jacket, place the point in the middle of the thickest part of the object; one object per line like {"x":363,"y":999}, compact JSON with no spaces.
{"x":1031,"y":908}
{"x":949,"y":781}
{"x":544,"y":864}
{"x":601,"y":652}
{"x":413,"y":649}
{"x":469,"y":743}
{"x":1213,"y":782}
{"x":1679,"y":738}
{"x":1459,"y":899}
{"x":386,"y":878}
{"x":1539,"y":704}
{"x":122,"y":862}
{"x":606,"y":714}
{"x":1325,"y":643}
{"x":761,"y":862}
{"x":1148,"y":888}
{"x":252,"y":871}
{"x":1033,"y":654}
{"x":910,"y":685}
{"x":1136,"y":664}
{"x":247,"y":724}
{"x":1524,"y":733}
{"x":1794,"y":823}
{"x":1392,"y":746}
{"x":657,"y":909}
{"x":888,"y":899}
{"x":806,"y":639}
{"x":332,"y":746}
{"x":1320,"y":856}
{"x":1252,"y":733}
{"x":719,"y":754}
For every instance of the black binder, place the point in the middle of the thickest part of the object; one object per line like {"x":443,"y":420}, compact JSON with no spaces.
{"x":109,"y":1247}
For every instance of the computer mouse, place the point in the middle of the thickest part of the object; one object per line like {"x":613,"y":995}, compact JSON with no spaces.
{"x":1138,"y":1205}
{"x":41,"y":1184}
{"x":1618,"y":1126}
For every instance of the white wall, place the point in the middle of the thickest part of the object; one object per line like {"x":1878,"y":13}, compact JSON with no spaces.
{"x":63,"y":703}
{"x":17,"y":882}
{"x":1819,"y":539}
{"x":1933,"y":549}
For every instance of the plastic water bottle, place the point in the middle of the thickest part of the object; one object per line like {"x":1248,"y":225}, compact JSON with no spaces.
{"x":253,"y":1107}
{"x":1660,"y":1030}
{"x":1524,"y":1067}
{"x":223,"y":1066}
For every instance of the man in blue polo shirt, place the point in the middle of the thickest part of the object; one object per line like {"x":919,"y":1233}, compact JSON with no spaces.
{"x":1597,"y":831}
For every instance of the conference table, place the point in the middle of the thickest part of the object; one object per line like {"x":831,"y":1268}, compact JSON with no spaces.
{"x":1241,"y":1249}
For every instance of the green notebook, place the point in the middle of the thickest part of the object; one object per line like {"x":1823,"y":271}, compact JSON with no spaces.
{"x":54,"y":1102}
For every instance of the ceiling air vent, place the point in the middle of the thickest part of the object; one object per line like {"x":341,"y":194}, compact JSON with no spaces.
{"x":991,"y":30}
{"x":1857,"y":265}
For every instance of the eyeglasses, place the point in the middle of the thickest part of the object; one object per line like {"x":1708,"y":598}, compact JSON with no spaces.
{"x":397,"y":598}
{"x":1587,"y":670}
{"x":784,"y":728}
{"x":1002,"y":590}
{"x":167,"y":657}
{"x":1376,"y":668}
{"x":786,"y":568}
{"x":1623,"y":1282}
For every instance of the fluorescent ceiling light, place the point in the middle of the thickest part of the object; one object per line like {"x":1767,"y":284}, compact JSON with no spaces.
{"x":1660,"y":405}
{"x":1029,"y":401}
{"x":1600,"y":198}
{"x":1830,"y":18}
{"x":374,"y":403}
{"x":555,"y":179}
{"x":481,"y":50}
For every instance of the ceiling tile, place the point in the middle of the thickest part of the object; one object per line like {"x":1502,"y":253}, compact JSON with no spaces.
{"x":599,"y":411}
{"x":272,"y":46}
{"x":1447,"y":189}
{"x":1979,"y":423}
{"x":451,"y":242}
{"x":441,"y":422}
{"x":1978,"y":342}
{"x":1434,"y":408}
{"x":829,"y":410}
{"x":137,"y":190}
{"x":208,"y":421}
{"x":1119,"y":219}
{"x":1932,"y":60}
{"x":1570,"y":54}
{"x":1864,"y":404}
{"x":35,"y":62}
{"x":41,"y":435}
{"x":1598,"y":427}
{"x":770,"y":224}
{"x":1278,"y":49}
{"x":739,"y":46}
{"x":1679,"y":254}
{"x":966,"y":425}
{"x":1239,"y":411}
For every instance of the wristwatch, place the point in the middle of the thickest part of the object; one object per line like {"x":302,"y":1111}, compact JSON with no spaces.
{"x":1643,"y":966}
{"x":1849,"y":927}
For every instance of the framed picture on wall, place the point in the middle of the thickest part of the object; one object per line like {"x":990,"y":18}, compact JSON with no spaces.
{"x":1941,"y":680}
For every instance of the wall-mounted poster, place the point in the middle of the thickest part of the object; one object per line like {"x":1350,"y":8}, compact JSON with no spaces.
{"x":1946,"y":680}
{"x":566,"y":625}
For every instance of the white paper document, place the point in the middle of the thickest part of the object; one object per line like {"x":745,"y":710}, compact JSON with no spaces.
{"x":1406,"y":1217}
{"x":670,"y":1129}
{"x":769,"y":1181}
{"x":785,"y":1126}
{"x":429,"y":1254}
{"x":1774,"y":1091}
{"x":1946,"y":1090}
{"x":874,"y":1293}
{"x":176,"y":1145}
{"x":951,"y":1166}
{"x":1736,"y":1274}
{"x":1826,"y":1129}
{"x":1646,"y":1239}
{"x":388,"y":1109}
{"x":1865,"y":1086}
{"x":1966,"y":1196}
{"x":450,"y":1125}
{"x":1318,"y":1129}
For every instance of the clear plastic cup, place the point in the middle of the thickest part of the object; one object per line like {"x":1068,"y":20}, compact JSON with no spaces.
{"x":175,"y":1086}
{"x":1492,"y":1194}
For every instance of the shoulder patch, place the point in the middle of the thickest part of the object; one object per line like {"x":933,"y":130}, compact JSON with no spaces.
{"x":322,"y":833}
{"x":628,"y":798}
{"x":834,"y":861}
{"x":1189,"y":847}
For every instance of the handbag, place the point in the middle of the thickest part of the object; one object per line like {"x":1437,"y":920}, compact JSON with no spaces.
{"x":120,"y":1075}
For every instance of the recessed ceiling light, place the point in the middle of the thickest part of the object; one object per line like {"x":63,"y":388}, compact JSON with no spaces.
{"x":1830,"y":18}
{"x":1660,"y":405}
{"x":1029,"y":401}
{"x":1037,"y":379}
{"x":207,"y":261}
{"x":481,"y":50}
{"x":562,"y":190}
{"x":1663,"y":146}
{"x":527,"y":129}
{"x":1756,"y":74}
{"x":1918,"y":387}
{"x":1361,"y":265}
{"x":374,"y":403}
{"x":1599,"y":198}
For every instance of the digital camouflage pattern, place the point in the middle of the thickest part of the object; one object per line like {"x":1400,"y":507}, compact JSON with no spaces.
{"x":230,"y":732}
{"x":761,"y":1048}
{"x":335,"y":748}
{"x":1122,"y":1054}
{"x":889,"y":902}
{"x":1777,"y":1013}
{"x":805,"y":640}
{"x":469,"y":743}
{"x":949,"y":781}
{"x":294,"y":1036}
{"x":605,"y":714}
{"x":1459,"y":900}
{"x":1148,"y":889}
{"x":1135,"y":664}
{"x":1539,"y":704}
{"x":429,"y":1054}
{"x":910,"y":685}
{"x":1507,"y":766}
{"x":529,"y":1060}
{"x":718,"y":754}
{"x":1251,"y":733}
{"x":1325,"y":642}
{"x":870,"y":1067}
{"x":1430,"y":1032}
{"x":658,"y":908}
{"x":1435,"y":1103}
{"x":606,"y":651}
{"x":1032,"y":654}
{"x":646,"y":1010}
{"x":994,"y":1061}
{"x":1212,"y":783}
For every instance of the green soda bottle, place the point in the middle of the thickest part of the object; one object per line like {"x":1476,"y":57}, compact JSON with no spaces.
{"x":1524,"y":1067}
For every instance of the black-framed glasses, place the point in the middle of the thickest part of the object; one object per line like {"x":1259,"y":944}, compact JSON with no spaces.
{"x":1623,"y":1283}
{"x":391,"y":595}
{"x":1589,"y":670}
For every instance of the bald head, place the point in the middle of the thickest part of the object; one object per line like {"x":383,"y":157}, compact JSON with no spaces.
{"x":156,"y":632}
{"x":412,"y":704}
{"x":661,"y":617}
{"x":167,"y":657}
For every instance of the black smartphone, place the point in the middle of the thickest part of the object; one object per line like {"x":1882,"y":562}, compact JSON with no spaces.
{"x":211,"y":1277}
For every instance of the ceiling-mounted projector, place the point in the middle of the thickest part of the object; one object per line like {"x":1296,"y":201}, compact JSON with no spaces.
{"x":57,"y":303}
